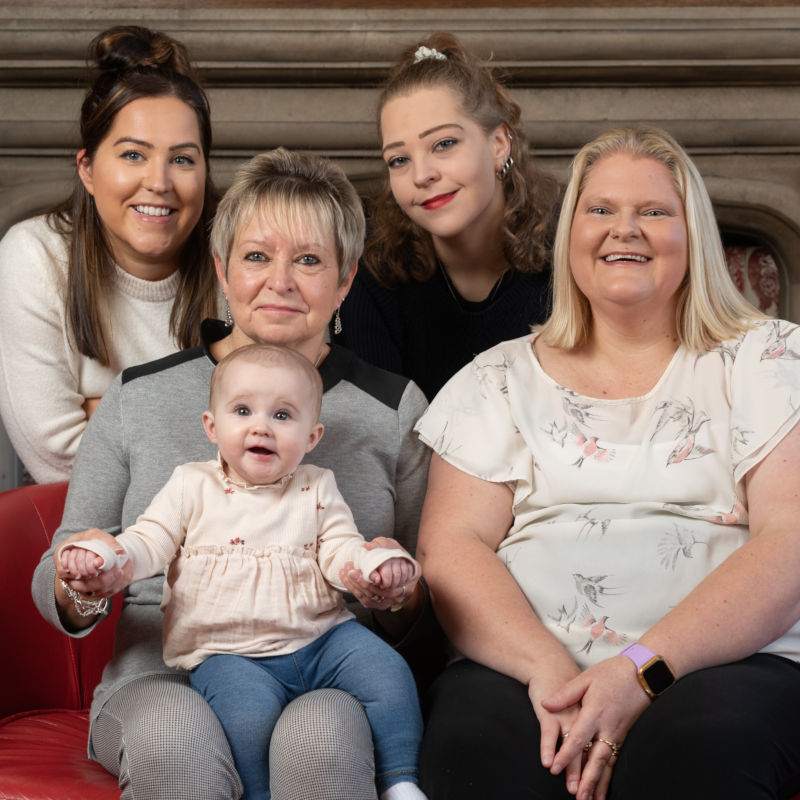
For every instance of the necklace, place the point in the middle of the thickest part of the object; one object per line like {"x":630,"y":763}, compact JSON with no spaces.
{"x":321,"y":354}
{"x":464,"y":303}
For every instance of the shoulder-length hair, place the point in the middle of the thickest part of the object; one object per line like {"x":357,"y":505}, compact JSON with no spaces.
{"x":133,"y":63}
{"x":398,"y":250}
{"x":710,"y":308}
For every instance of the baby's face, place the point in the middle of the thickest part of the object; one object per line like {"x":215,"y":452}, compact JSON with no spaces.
{"x":262,"y":421}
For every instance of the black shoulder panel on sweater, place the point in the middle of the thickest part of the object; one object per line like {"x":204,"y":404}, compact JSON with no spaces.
{"x":343,"y":364}
{"x":160,"y":364}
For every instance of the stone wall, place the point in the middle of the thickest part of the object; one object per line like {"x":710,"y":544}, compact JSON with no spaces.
{"x":723,"y":79}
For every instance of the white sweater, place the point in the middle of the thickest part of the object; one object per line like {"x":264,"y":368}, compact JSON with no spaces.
{"x":44,"y":381}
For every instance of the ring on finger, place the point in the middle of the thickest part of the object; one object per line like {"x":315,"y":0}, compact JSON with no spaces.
{"x":615,"y":748}
{"x":403,"y":591}
{"x":376,"y":598}
{"x":587,"y":747}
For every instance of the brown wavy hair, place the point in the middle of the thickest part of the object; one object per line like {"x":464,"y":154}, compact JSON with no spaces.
{"x":131,"y":63}
{"x":398,"y":250}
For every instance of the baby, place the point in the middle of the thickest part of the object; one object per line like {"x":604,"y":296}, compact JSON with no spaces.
{"x":254,"y":543}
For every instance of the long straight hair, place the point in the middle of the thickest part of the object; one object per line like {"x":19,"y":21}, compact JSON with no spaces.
{"x":710,"y":309}
{"x":133,"y":63}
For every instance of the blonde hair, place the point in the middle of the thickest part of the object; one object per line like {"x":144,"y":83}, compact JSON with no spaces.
{"x":268,"y":355}
{"x":710,"y":308}
{"x":293,"y":191}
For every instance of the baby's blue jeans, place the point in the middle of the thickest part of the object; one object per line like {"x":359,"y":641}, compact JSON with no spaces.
{"x":248,"y":695}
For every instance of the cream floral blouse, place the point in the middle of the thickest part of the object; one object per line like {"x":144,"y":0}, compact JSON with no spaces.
{"x":621,"y":507}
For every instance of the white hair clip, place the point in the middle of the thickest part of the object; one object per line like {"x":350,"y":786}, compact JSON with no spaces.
{"x":428,"y":52}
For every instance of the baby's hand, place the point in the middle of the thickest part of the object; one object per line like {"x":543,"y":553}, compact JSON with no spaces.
{"x":387,"y":587}
{"x":86,"y":555}
{"x":393,"y":574}
{"x":77,"y":563}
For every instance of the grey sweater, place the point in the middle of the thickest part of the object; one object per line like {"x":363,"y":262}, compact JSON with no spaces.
{"x":149,"y":422}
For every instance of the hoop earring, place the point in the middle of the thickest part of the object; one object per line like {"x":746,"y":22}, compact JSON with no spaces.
{"x":506,"y":168}
{"x":228,"y":315}
{"x":337,"y":322}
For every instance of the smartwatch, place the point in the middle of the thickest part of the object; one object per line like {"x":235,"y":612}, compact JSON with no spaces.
{"x":653,"y":672}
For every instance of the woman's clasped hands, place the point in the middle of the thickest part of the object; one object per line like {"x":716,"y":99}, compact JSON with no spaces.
{"x":590,"y":715}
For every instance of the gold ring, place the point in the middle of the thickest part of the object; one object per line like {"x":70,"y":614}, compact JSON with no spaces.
{"x":615,"y":748}
{"x":587,"y":747}
{"x":376,"y":598}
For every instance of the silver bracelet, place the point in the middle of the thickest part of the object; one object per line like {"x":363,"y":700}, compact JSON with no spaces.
{"x":86,"y":608}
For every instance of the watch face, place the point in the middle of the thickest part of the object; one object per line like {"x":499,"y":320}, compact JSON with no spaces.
{"x":658,"y":675}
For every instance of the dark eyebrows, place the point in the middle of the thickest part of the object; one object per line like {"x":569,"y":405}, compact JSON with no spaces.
{"x":147,"y":145}
{"x":425,"y":133}
{"x":439,"y":127}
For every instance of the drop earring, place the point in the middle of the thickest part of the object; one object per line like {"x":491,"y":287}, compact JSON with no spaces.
{"x":337,"y":322}
{"x":228,"y":315}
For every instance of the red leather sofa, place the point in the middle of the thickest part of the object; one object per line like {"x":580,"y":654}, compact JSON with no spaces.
{"x":46,"y":678}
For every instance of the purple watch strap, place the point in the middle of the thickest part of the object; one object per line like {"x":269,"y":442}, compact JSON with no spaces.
{"x":639,"y":654}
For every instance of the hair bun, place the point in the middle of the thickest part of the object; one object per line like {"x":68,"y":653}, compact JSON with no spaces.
{"x":132,"y":47}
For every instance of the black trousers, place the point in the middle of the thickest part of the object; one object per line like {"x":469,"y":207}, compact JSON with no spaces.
{"x":724,"y":733}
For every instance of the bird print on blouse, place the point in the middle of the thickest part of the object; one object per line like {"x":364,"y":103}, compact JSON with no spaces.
{"x":558,"y":433}
{"x":675,"y":544}
{"x":627,"y":502}
{"x":589,"y":590}
{"x":590,"y":523}
{"x":586,"y":444}
{"x":577,"y":407}
{"x":599,"y":631}
{"x":492,"y":375}
{"x":778,"y":342}
{"x":590,"y":448}
{"x":686,"y":422}
{"x":736,"y":516}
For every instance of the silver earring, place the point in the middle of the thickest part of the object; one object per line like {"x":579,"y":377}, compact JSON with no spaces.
{"x":228,"y":316}
{"x":337,"y":322}
{"x":501,"y":173}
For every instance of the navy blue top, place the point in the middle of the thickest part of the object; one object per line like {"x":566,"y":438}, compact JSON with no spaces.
{"x":427,"y":332}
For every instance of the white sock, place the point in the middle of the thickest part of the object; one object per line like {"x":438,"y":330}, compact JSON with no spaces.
{"x":405,"y":790}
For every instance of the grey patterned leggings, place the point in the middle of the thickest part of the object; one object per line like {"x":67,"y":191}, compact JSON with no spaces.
{"x":164,"y":743}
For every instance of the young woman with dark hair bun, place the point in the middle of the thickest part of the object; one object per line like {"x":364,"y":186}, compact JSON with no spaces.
{"x":458,"y":254}
{"x":120,"y":272}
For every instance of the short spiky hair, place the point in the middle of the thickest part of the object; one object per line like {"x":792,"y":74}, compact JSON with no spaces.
{"x":710,"y":308}
{"x":292,"y":190}
{"x":270,"y":356}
